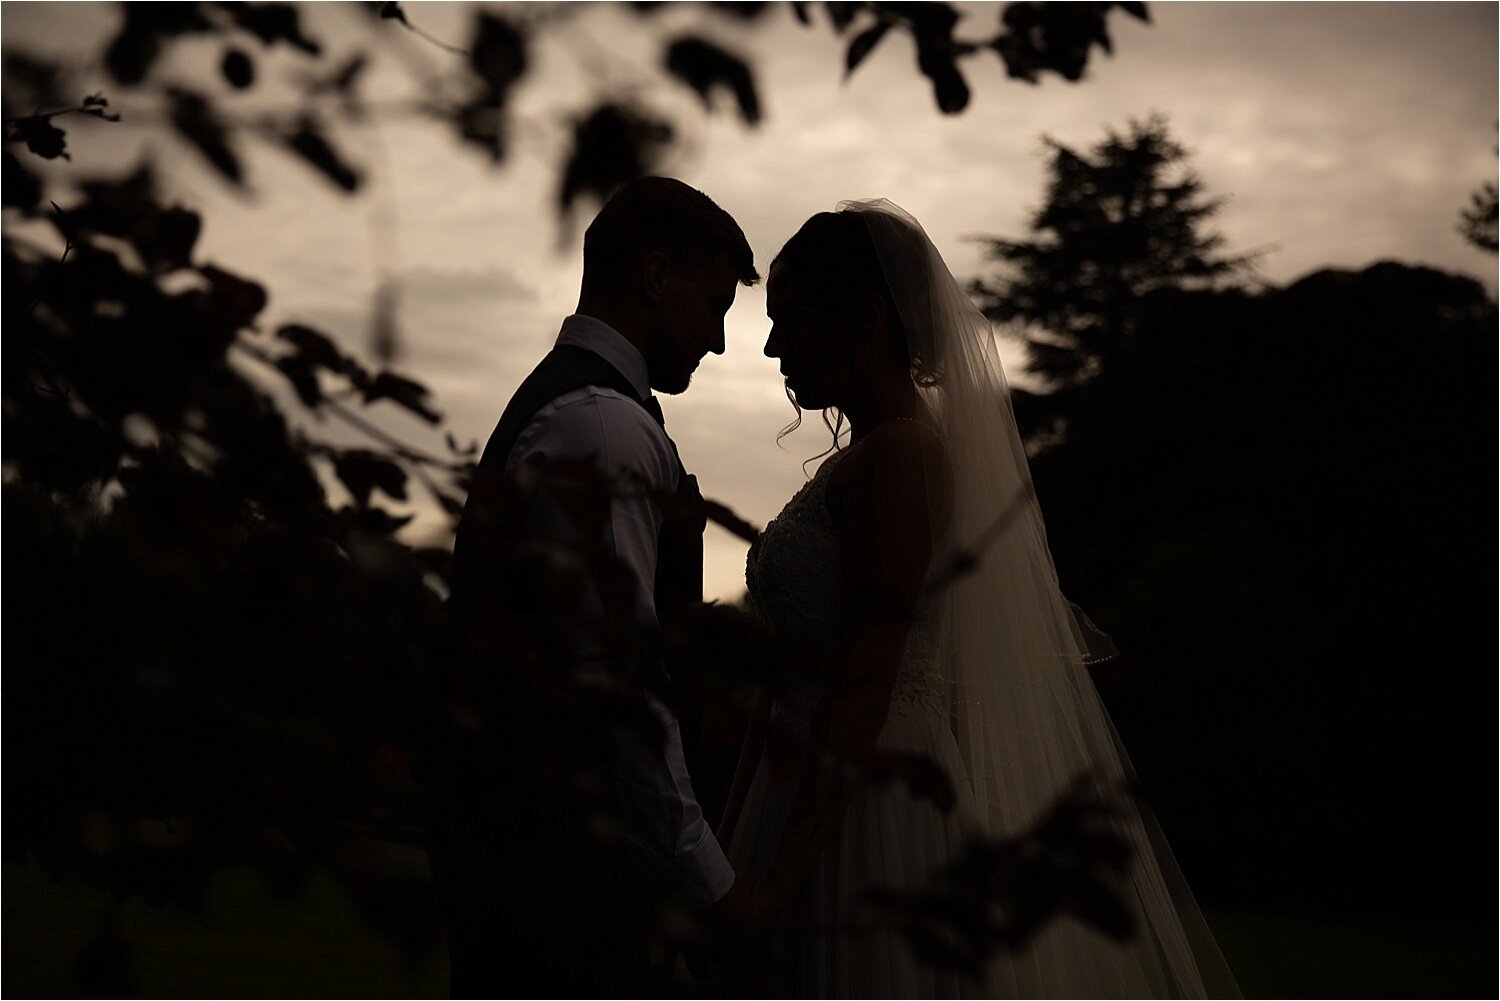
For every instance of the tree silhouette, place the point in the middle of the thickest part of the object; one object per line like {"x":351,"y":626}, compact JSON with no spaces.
{"x":1480,"y":220}
{"x":1123,"y":220}
{"x":1277,"y":500}
{"x":1277,"y":503}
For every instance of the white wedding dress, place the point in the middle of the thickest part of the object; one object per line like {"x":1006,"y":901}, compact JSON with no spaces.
{"x":889,"y":838}
{"x":994,"y":687}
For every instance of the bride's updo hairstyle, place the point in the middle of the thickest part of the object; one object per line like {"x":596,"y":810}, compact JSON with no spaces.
{"x":833,"y":256}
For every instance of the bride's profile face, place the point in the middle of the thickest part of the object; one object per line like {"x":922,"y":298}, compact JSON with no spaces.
{"x":800,"y":339}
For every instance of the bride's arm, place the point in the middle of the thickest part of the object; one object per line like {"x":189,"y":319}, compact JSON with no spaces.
{"x":751,"y":750}
{"x":885,"y":545}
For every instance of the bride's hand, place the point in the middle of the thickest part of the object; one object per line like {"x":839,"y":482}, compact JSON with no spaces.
{"x":742,"y":907}
{"x":770,"y":900}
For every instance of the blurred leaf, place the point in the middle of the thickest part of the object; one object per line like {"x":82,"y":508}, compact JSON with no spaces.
{"x":363,"y":471}
{"x":128,"y":209}
{"x":37,"y":81}
{"x":863,"y":44}
{"x":932,"y":26}
{"x":842,"y":14}
{"x":1047,"y":36}
{"x":1098,"y":905}
{"x":303,"y":376}
{"x":41,"y":137}
{"x":745,"y":10}
{"x":166,"y":242}
{"x":497,"y":54}
{"x":948,"y":83}
{"x":374,"y":521}
{"x":612,"y":145}
{"x":999,"y":894}
{"x":704,"y":66}
{"x":482,"y":123}
{"x":237,"y":68}
{"x":240,"y":298}
{"x":727,"y":519}
{"x":471,"y":450}
{"x":22,"y":189}
{"x":312,"y":145}
{"x":403,"y":392}
{"x":316,"y":348}
{"x":924,"y":778}
{"x":96,"y":105}
{"x":344,"y":77}
{"x":194,"y":119}
{"x":272,"y":23}
{"x":135,"y":49}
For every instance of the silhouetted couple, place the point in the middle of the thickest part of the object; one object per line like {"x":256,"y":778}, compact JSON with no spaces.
{"x":908,"y":585}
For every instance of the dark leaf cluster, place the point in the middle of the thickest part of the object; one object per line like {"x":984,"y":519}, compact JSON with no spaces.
{"x":310,"y":143}
{"x":41,"y":137}
{"x":498,"y":58}
{"x":706,"y":67}
{"x":613,"y":144}
{"x":200,"y":125}
{"x":1034,"y":37}
{"x":147,"y":28}
{"x":998,"y":895}
{"x":1055,"y":37}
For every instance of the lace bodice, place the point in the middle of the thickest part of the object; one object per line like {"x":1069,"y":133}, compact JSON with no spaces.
{"x":793,"y":577}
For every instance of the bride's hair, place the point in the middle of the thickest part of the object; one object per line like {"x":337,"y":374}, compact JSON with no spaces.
{"x":833,"y":255}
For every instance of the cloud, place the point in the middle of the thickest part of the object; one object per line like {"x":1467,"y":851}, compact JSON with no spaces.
{"x":444,"y":288}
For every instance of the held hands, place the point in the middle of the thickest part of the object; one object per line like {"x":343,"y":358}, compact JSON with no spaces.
{"x":751,"y":906}
{"x":736,"y":950}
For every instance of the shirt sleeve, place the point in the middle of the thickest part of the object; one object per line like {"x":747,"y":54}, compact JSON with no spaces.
{"x":665,"y":823}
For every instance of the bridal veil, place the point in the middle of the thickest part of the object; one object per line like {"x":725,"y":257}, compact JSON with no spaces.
{"x":1027,"y":718}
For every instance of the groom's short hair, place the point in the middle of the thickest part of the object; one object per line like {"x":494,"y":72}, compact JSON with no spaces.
{"x":653,"y":214}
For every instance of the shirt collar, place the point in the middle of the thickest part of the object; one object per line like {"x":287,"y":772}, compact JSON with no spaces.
{"x":595,"y":335}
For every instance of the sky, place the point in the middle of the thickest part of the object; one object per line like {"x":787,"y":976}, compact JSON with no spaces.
{"x":1338,"y":134}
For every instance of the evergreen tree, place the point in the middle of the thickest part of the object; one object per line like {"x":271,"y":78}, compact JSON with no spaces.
{"x":1119,"y":222}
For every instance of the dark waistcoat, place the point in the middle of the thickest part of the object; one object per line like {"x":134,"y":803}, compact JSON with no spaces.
{"x":482,"y":577}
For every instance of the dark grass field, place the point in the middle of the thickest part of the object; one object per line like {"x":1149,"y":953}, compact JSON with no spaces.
{"x":251,"y":943}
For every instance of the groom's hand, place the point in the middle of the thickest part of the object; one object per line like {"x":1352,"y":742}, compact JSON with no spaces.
{"x":737,"y":907}
{"x":750,"y":906}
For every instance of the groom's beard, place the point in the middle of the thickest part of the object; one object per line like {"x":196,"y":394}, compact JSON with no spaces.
{"x":673,"y":384}
{"x":672,"y":374}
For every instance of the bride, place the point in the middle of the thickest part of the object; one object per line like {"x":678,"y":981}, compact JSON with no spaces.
{"x":911,"y":581}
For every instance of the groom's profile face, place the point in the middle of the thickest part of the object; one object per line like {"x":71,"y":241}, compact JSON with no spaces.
{"x":696,"y":297}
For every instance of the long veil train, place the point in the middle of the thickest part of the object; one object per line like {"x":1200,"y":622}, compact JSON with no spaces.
{"x":1027,"y":717}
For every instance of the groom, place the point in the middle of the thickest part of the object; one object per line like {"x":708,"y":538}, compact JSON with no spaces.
{"x":661,"y":263}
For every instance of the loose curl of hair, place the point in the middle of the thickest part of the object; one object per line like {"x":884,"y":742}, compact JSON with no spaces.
{"x":835,"y":253}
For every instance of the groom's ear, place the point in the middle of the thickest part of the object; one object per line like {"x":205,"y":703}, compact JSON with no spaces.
{"x":656,"y":270}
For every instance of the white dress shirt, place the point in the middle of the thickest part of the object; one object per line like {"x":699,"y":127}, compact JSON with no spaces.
{"x":666,"y":824}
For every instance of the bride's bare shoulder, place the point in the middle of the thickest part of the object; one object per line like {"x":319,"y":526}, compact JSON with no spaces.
{"x":896,"y":465}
